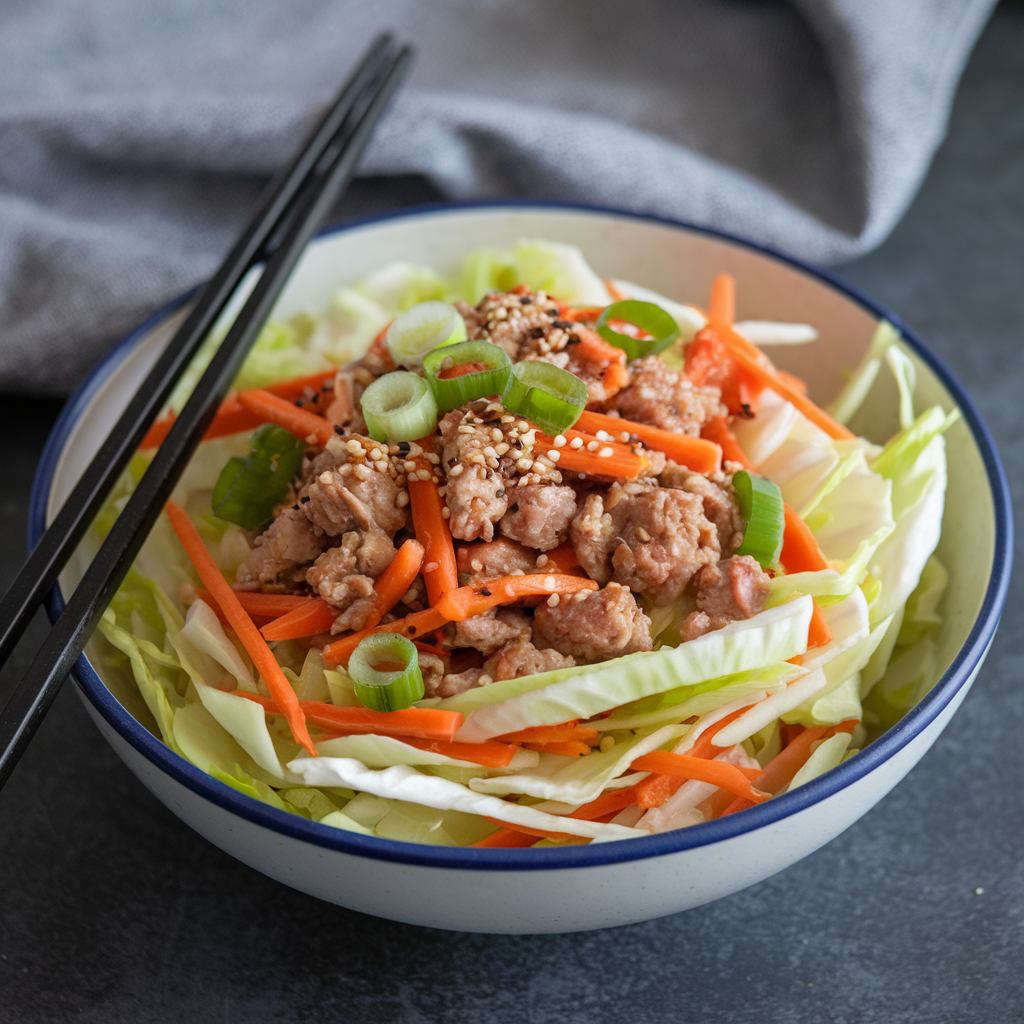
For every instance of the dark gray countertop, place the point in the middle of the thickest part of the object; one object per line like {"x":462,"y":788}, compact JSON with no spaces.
{"x":112,"y":910}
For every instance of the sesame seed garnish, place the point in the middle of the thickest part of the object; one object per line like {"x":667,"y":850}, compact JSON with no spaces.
{"x":401,"y":499}
{"x":523,"y":425}
{"x":500,"y":449}
{"x":592,"y":446}
{"x":560,"y":440}
{"x":423,"y":474}
{"x":553,"y":601}
{"x":625,"y":436}
{"x":445,"y":512}
{"x":576,"y":442}
{"x":338,"y":428}
{"x":524,"y":464}
{"x":490,"y":452}
{"x":517,"y":572}
{"x":580,"y":595}
{"x":606,"y":744}
{"x":508,"y":419}
{"x":542,"y":560}
{"x":432,"y":458}
{"x":606,"y":453}
{"x":484,"y":680}
{"x":643,"y":535}
{"x":456,"y":470}
{"x":538,"y":467}
{"x":603,"y":435}
{"x":549,"y":583}
{"x":554,"y":456}
{"x":409,"y":466}
{"x":354,"y":447}
{"x":430,"y":567}
{"x":477,"y":460}
{"x":496,"y":434}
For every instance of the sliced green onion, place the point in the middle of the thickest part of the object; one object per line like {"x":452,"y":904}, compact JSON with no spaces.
{"x":760,"y":504}
{"x":451,"y":392}
{"x":415,"y":332}
{"x":545,"y":394}
{"x":399,"y":407}
{"x":248,"y":489}
{"x":651,"y":319}
{"x":385,"y":672}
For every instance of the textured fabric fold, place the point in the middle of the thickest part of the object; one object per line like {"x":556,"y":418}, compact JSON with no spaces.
{"x":135,"y":137}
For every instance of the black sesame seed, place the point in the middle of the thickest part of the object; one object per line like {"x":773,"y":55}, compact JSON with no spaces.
{"x":517,"y":444}
{"x":484,"y":592}
{"x":338,"y":428}
{"x":526,"y":300}
{"x":404,"y":447}
{"x":500,"y":494}
{"x":566,"y":325}
{"x":552,"y":312}
{"x":302,"y":501}
{"x":538,"y":332}
{"x":412,"y":630}
{"x":295,"y":508}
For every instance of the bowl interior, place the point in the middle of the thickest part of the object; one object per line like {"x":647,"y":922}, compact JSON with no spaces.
{"x":676,"y":261}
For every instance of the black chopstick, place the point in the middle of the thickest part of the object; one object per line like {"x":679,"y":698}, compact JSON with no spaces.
{"x":66,"y":640}
{"x":49,"y":556}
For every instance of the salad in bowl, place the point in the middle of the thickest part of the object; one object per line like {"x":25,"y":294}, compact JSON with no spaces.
{"x":522,"y":557}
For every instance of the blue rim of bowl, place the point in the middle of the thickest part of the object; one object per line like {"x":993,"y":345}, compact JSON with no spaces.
{"x":886,"y":746}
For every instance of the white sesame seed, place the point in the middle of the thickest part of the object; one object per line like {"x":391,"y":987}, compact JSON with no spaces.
{"x":484,"y":680}
{"x":401,"y":499}
{"x":361,"y":472}
{"x":445,"y":512}
{"x":552,"y":601}
{"x":606,"y":453}
{"x":606,"y":744}
{"x":592,"y":446}
{"x":580,"y":595}
{"x":430,"y":567}
{"x":476,"y":565}
{"x":576,"y":442}
{"x":376,"y":454}
{"x":549,"y":583}
{"x":560,"y":440}
{"x":477,"y":460}
{"x":415,"y":449}
{"x":490,"y":452}
{"x":496,"y":434}
{"x":603,"y":435}
{"x":542,"y":560}
{"x":508,"y":419}
{"x":500,"y":449}
{"x":624,"y":437}
{"x":517,"y":572}
{"x":524,"y":464}
{"x":409,"y":466}
{"x":539,"y":467}
{"x":354,"y":447}
{"x":463,"y":429}
{"x":456,"y":470}
{"x":523,"y":425}
{"x":435,"y":459}
{"x":554,"y":456}
{"x":643,"y":534}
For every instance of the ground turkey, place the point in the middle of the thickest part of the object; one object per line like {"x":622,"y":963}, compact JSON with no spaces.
{"x":665,"y":398}
{"x":651,"y":539}
{"x":344,"y":575}
{"x":489,"y":560}
{"x":490,"y":631}
{"x":352,"y":484}
{"x":539,"y":515}
{"x":719,"y":502}
{"x":520,"y":658}
{"x":281,"y":553}
{"x":593,"y":625}
{"x":736,"y":588}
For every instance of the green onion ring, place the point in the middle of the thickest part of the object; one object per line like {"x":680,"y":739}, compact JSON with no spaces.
{"x":452,"y":392}
{"x":545,"y":394}
{"x":399,"y":407}
{"x":421,"y":328}
{"x":386,"y":690}
{"x":761,"y":507}
{"x":648,"y":317}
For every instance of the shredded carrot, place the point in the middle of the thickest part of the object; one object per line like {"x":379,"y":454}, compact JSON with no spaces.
{"x":782,"y":768}
{"x":792,"y":380}
{"x":254,"y":644}
{"x":592,"y":348}
{"x":717,"y":773}
{"x":747,"y":357}
{"x":722,"y":304}
{"x":526,"y":830}
{"x":554,"y":734}
{"x":620,"y":461}
{"x":490,"y":753}
{"x":506,"y":839}
{"x":419,"y":723}
{"x":570,"y":748}
{"x":430,"y":649}
{"x":612,"y":802}
{"x":819,"y":633}
{"x":259,"y":605}
{"x":717,"y":430}
{"x":709,"y":362}
{"x":657,"y":788}
{"x":562,"y":559}
{"x":300,"y":422}
{"x":696,"y":453}
{"x":800,"y":551}
{"x":316,"y":617}
{"x":615,"y":293}
{"x":396,"y":579}
{"x":232,"y":418}
{"x":465,"y":602}
{"x":440,"y":572}
{"x":411,"y":627}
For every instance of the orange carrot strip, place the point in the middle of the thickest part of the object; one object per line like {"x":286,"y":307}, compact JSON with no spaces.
{"x":506,"y":839}
{"x":612,"y":802}
{"x":396,"y":579}
{"x":526,"y":830}
{"x":285,"y":414}
{"x":317,"y":617}
{"x":554,"y":734}
{"x":463,"y":603}
{"x":819,"y":633}
{"x":615,"y":293}
{"x":232,"y":418}
{"x":571,"y":748}
{"x":411,"y":627}
{"x":490,"y":753}
{"x":800,"y":551}
{"x":621,"y":461}
{"x":781,"y":769}
{"x":254,"y":644}
{"x":562,"y":559}
{"x":657,"y":788}
{"x":696,"y":453}
{"x":717,"y":430}
{"x":709,"y":362}
{"x":440,"y":572}
{"x":271,"y":606}
{"x":792,"y":380}
{"x":418,"y":723}
{"x":740,"y":348}
{"x":722,"y":304}
{"x":594,"y":349}
{"x":702,"y":769}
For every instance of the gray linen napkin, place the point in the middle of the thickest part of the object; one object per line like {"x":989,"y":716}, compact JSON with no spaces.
{"x":134,"y":137}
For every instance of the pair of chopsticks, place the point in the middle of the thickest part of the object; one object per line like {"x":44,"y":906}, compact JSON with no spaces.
{"x":291,"y":212}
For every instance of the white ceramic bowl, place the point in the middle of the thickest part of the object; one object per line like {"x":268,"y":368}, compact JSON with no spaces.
{"x":615,"y":883}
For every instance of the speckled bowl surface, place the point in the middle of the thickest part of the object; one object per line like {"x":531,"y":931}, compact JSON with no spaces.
{"x":578,"y":887}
